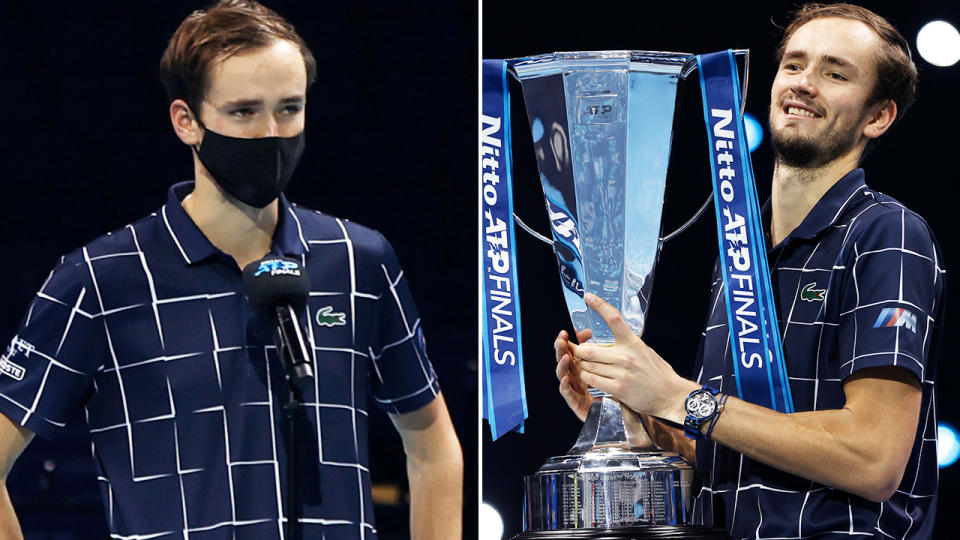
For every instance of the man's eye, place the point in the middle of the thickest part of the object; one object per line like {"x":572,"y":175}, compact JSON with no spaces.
{"x":836,"y":76}
{"x":292,"y":109}
{"x":241,"y":112}
{"x":792,"y":67}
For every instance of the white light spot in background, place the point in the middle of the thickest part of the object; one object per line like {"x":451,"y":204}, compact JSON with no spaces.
{"x":491,"y":525}
{"x":948,"y":445}
{"x":939,"y":43}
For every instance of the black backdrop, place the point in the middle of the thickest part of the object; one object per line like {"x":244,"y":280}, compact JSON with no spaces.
{"x":87,"y":148}
{"x":910,"y":163}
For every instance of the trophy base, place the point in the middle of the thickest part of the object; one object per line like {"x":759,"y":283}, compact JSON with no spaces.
{"x":613,"y":477}
{"x":608,"y":488}
{"x":686,"y":532}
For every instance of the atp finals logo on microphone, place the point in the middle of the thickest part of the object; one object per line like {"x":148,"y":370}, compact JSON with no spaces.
{"x":278,"y":267}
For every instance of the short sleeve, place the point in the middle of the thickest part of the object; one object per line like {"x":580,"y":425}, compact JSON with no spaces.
{"x":892,"y":291}
{"x":46,"y":371}
{"x":404,"y":379}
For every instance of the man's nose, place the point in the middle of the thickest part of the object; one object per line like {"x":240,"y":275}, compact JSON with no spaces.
{"x":270,"y":127}
{"x":805,"y":84}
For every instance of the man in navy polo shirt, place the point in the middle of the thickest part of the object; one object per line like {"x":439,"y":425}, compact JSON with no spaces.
{"x":858,"y":282}
{"x":148,"y":329}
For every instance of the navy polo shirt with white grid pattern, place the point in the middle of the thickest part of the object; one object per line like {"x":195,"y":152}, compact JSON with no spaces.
{"x":859,"y":284}
{"x":147,"y":328}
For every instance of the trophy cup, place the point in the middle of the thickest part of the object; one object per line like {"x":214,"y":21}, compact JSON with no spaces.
{"x":602,"y":125}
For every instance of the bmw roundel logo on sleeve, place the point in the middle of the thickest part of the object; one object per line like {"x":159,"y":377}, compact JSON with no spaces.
{"x":276,"y":267}
{"x":894,"y":317}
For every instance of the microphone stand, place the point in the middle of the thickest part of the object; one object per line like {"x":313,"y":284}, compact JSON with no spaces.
{"x":289,"y":334}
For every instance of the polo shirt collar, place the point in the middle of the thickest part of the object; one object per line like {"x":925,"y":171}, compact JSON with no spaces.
{"x":194,"y":245}
{"x":828,"y":209}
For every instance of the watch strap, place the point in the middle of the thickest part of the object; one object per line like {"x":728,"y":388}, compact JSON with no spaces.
{"x":716,"y":415}
{"x":692,"y":424}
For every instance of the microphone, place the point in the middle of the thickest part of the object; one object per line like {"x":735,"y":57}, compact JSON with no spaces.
{"x":277,"y":288}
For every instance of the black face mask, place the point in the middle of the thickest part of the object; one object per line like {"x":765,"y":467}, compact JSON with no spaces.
{"x":254,"y":171}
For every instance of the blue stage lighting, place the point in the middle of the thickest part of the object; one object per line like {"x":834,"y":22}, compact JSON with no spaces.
{"x":948,"y":445}
{"x":754,"y":131}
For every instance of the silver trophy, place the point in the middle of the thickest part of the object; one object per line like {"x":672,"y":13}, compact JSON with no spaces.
{"x":602,"y":125}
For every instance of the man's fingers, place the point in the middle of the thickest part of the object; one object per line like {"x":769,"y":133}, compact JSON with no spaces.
{"x":579,"y":402}
{"x":592,"y":353}
{"x":581,"y":351}
{"x":584,"y":335}
{"x":563,"y":366}
{"x":571,"y":395}
{"x":596,"y":381}
{"x":611,"y":316}
{"x":570,"y":367}
{"x":572,"y":388}
{"x":559,"y":346}
{"x":597,"y":368}
{"x":567,"y":391}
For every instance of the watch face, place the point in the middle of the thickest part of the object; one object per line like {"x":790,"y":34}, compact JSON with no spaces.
{"x":701,"y":404}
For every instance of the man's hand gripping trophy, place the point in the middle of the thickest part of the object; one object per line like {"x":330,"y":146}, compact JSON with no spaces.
{"x":628,"y":370}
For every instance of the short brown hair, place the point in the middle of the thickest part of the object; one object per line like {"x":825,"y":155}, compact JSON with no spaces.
{"x":896,"y":73}
{"x":227,"y":28}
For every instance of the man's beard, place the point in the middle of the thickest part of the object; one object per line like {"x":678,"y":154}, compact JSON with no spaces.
{"x":802,"y":152}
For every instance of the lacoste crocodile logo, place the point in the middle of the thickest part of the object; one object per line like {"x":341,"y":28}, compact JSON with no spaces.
{"x":809,"y":294}
{"x":327,"y":317}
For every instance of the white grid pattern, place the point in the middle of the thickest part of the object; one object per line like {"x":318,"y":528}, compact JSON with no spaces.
{"x":118,"y":373}
{"x":865,"y":216}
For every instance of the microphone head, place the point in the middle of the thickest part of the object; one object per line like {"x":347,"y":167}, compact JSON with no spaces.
{"x":276,"y":281}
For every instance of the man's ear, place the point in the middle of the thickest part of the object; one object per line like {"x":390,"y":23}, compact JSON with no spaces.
{"x":881,"y":120}
{"x":184,"y":122}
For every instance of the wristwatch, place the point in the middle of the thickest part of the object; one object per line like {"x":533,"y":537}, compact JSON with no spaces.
{"x":701,"y":406}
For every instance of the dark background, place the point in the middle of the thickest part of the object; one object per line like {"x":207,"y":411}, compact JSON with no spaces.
{"x":910,"y":163}
{"x":87,"y":148}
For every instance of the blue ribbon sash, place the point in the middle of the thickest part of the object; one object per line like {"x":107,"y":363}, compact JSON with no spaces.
{"x":504,"y":398}
{"x":758,"y":360}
